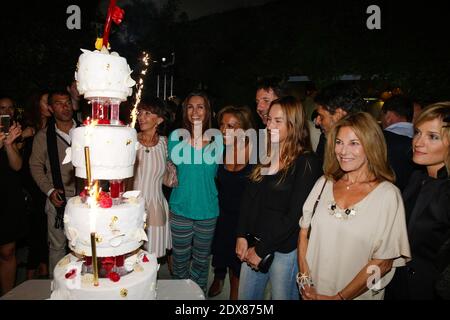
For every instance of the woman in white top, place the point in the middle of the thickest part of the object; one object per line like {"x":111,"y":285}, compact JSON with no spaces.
{"x":150,"y":167}
{"x":358,"y":231}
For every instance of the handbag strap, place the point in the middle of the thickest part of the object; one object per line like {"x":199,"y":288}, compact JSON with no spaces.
{"x":318,"y":198}
{"x":315,"y":206}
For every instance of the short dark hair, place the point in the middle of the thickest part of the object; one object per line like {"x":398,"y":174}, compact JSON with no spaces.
{"x":401,"y":105}
{"x":340,"y":95}
{"x":57,"y":91}
{"x":275,"y":83}
{"x":158,"y":107}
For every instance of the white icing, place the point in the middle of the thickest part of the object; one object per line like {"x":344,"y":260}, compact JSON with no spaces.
{"x":132,"y":194}
{"x":112,"y":153}
{"x":138,"y":285}
{"x":119,"y":229}
{"x":101,"y":74}
{"x":122,"y":236}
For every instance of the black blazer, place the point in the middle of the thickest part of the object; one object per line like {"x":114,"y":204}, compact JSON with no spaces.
{"x":399,"y":152}
{"x":427,"y":207}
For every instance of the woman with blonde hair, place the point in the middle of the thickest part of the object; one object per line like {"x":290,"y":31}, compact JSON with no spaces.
{"x":356,"y":215}
{"x":427,"y":205}
{"x":271,"y":205}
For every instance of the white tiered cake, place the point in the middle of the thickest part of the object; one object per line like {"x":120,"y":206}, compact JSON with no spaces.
{"x":103,"y":74}
{"x":126,"y":271}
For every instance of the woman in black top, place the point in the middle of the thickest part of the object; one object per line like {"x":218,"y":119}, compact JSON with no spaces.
{"x":272,"y":204}
{"x":37,"y":115}
{"x":427,"y":207}
{"x":12,"y":214}
{"x":232,"y":178}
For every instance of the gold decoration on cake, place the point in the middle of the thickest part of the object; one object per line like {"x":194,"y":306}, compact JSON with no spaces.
{"x":87,"y":278}
{"x":99,"y":44}
{"x":98,"y":238}
{"x":145,"y":225}
{"x":129,"y":142}
{"x":123,"y":293}
{"x":64,"y":261}
{"x":138,"y":268}
{"x":112,"y":226}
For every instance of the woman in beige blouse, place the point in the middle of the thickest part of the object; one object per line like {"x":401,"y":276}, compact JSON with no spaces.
{"x":358,"y":231}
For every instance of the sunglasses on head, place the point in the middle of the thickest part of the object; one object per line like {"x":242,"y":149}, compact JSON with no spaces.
{"x":447,"y":120}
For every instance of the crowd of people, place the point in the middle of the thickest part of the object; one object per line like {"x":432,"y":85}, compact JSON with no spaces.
{"x":325,"y":201}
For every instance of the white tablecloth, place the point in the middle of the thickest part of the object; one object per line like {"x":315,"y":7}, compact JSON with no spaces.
{"x":166,"y":290}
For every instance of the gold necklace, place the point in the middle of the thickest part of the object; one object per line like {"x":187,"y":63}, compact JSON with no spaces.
{"x":197,"y":141}
{"x":347,"y":186}
{"x":152,"y":139}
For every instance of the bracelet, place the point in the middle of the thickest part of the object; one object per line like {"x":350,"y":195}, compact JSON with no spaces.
{"x":304,"y":280}
{"x":340,"y":295}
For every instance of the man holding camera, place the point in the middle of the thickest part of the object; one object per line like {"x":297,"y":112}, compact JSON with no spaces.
{"x":55,"y":179}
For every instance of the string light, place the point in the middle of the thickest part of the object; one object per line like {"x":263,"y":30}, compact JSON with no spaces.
{"x":140,"y":87}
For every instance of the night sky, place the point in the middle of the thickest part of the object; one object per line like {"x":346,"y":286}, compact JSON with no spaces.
{"x":196,"y":8}
{"x":200,"y":8}
{"x":229,"y":50}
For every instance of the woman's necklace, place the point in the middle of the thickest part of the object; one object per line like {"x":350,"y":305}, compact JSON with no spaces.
{"x":151,"y":142}
{"x":348,"y":185}
{"x":197,"y":141}
{"x":340,"y":214}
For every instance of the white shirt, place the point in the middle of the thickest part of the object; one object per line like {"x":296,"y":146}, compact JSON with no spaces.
{"x":402,"y":128}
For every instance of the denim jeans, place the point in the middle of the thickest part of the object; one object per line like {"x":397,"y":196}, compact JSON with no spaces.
{"x":282,"y":275}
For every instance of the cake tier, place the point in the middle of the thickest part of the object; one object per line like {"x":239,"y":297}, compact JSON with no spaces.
{"x":140,"y":284}
{"x":101,"y":74}
{"x":119,"y":229}
{"x":112,"y":151}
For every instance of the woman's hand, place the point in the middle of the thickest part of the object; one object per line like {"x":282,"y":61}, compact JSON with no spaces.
{"x":252,"y":258}
{"x":310,"y":293}
{"x":2,"y":139}
{"x":14,"y":132}
{"x":28,"y":132}
{"x":241,"y":248}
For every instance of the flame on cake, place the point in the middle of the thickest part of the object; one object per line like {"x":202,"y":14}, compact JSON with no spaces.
{"x":92,"y":203}
{"x":93,"y":189}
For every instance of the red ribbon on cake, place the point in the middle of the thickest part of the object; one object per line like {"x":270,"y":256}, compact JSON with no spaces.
{"x":115,"y":14}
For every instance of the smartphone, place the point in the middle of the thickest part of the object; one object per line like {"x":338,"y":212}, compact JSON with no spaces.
{"x":5,"y":122}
